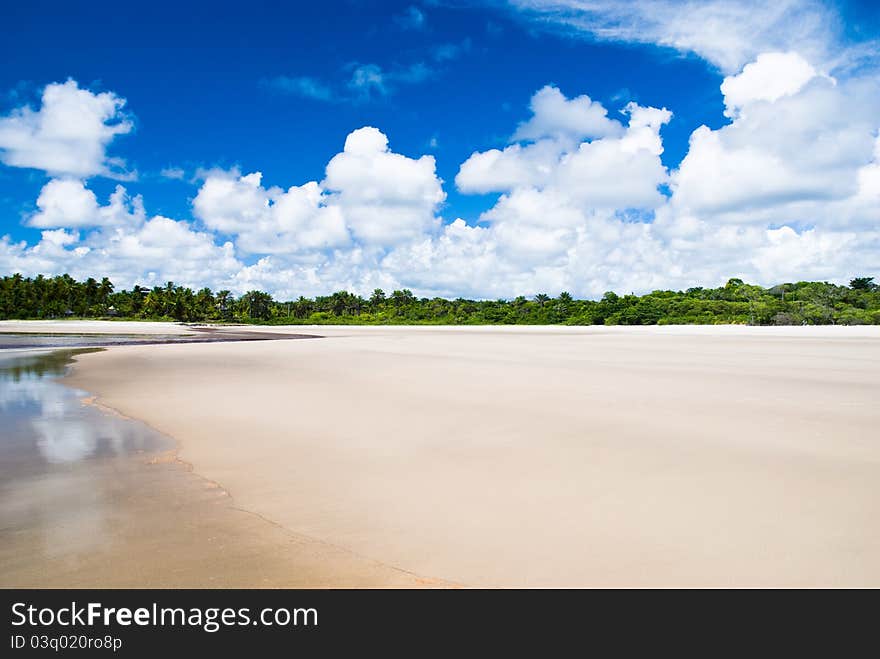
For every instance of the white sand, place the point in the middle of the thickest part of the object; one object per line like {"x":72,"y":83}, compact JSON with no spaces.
{"x":539,"y":456}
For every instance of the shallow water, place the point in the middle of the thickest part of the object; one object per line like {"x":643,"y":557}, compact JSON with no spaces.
{"x":57,"y":453}
{"x":47,"y":426}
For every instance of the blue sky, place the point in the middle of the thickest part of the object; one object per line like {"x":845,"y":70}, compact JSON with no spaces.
{"x":277,"y":87}
{"x":197,"y":77}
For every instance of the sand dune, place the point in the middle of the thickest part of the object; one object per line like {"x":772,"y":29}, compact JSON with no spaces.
{"x":539,"y":456}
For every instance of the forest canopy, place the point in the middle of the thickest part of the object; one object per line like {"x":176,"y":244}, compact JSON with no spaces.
{"x":810,"y":303}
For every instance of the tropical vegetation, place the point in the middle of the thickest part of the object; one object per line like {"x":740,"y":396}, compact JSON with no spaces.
{"x":810,"y":303}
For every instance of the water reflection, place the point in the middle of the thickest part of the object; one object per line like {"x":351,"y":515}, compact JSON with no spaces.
{"x":61,"y":462}
{"x":45,"y":423}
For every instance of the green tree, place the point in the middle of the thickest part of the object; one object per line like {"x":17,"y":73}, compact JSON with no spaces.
{"x":377,"y":299}
{"x":735,"y":302}
{"x":256,"y":305}
{"x":862,"y":284}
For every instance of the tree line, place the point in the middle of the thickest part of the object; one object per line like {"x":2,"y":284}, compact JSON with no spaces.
{"x":811,"y":303}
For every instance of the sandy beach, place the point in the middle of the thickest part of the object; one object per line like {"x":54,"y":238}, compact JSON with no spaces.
{"x":89,"y":499}
{"x":538,"y":456}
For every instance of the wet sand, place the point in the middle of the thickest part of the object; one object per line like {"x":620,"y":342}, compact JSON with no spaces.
{"x":91,"y":499}
{"x":539,"y":456}
{"x":149,"y":522}
{"x":37,"y":334}
{"x":92,"y":327}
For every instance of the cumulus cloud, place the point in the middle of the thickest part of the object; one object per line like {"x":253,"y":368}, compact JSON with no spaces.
{"x":269,"y":221}
{"x":791,"y":151}
{"x":68,"y":135}
{"x":556,"y":126}
{"x":770,"y":77}
{"x":576,"y":194}
{"x":577,"y":153}
{"x":787,"y":189}
{"x":68,"y":203}
{"x":515,"y":166}
{"x":116,"y":240}
{"x":384,"y":196}
{"x":162,"y":249}
{"x":555,"y":116}
{"x":370,"y":195}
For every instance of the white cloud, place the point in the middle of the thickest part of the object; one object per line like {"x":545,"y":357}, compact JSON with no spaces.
{"x":555,"y":116}
{"x":269,"y":221}
{"x":504,"y":170}
{"x":618,"y":173}
{"x":620,"y":169}
{"x":160,"y":250}
{"x":556,"y":126}
{"x":69,"y":203}
{"x":869,"y":179}
{"x":565,"y":218}
{"x":370,"y":195}
{"x":385,"y":197}
{"x":786,"y":157}
{"x":727,"y":33}
{"x":788,"y":189}
{"x":118,"y":242}
{"x":770,"y":77}
{"x":68,"y":135}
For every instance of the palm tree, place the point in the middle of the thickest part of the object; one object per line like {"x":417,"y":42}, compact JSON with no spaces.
{"x":257,"y":304}
{"x":105,"y":289}
{"x":223,"y":304}
{"x":563,"y":303}
{"x":302,"y":307}
{"x":377,"y":299}
{"x":402,"y":298}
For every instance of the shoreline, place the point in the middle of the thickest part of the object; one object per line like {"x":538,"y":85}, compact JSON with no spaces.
{"x":172,"y":456}
{"x":327,"y":507}
{"x":137,"y":327}
{"x":85,"y":334}
{"x":149,"y":519}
